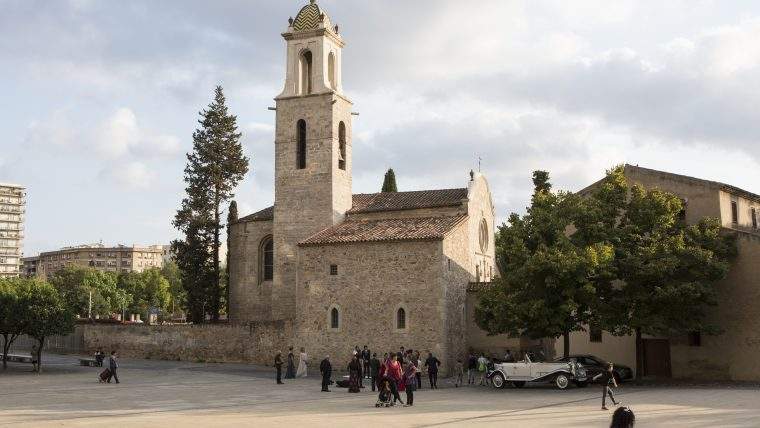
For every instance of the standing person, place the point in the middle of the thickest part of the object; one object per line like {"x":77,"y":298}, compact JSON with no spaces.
{"x":608,"y":378}
{"x":325,"y":368}
{"x":410,"y":379}
{"x":508,"y":358}
{"x":360,"y":367}
{"x":418,"y":364}
{"x":401,"y":355}
{"x":458,"y":372}
{"x":99,"y":357}
{"x":33,"y":354}
{"x":278,"y":367}
{"x":395,"y":376}
{"x":482,"y":367}
{"x":113,"y":364}
{"x":354,"y":374}
{"x":366,"y":357}
{"x":472,"y":367}
{"x":290,"y":371}
{"x":303,"y":359}
{"x":432,"y":364}
{"x":374,"y":370}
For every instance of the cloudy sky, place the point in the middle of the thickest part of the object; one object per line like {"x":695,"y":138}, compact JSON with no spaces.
{"x":100,"y":98}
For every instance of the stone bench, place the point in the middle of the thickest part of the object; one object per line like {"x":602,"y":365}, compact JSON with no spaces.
{"x":88,"y":362}
{"x":13,"y":358}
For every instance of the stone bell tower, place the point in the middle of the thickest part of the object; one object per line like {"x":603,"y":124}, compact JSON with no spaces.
{"x":312,"y":147}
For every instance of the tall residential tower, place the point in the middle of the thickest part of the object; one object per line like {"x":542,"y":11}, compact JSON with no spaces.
{"x":12,"y":208}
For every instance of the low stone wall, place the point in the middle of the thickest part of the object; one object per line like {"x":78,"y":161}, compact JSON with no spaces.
{"x":254,"y":343}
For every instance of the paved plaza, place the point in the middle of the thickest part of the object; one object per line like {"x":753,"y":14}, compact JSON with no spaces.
{"x":163,"y":393}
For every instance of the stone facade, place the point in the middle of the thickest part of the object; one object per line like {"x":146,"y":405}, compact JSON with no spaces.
{"x":346,"y":266}
{"x":731,"y":355}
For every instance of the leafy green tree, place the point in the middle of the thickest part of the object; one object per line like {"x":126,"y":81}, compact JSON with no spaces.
{"x":48,"y":314}
{"x":547,"y":288}
{"x":13,"y":307}
{"x":81,"y":287}
{"x":665,"y":271}
{"x":389,"y":182}
{"x":177,"y":294}
{"x":214,"y":168}
{"x":149,"y":289}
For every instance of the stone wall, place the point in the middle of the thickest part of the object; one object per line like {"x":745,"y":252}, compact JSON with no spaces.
{"x":250,"y":296}
{"x":255,"y":343}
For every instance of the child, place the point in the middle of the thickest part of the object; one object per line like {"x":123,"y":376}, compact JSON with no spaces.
{"x":458,"y":372}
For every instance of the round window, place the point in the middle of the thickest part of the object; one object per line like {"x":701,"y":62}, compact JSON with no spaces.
{"x":483,"y":235}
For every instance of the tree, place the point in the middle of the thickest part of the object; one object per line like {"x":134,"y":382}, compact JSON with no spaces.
{"x":547,"y":288}
{"x":389,"y":182}
{"x":48,"y":314}
{"x":178,"y":296}
{"x":88,"y":291}
{"x":13,"y":305}
{"x":665,"y":271}
{"x":232,"y":217}
{"x":149,"y":289}
{"x":214,"y":167}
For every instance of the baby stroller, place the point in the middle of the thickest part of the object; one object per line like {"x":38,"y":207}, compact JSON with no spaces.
{"x":385,"y":398}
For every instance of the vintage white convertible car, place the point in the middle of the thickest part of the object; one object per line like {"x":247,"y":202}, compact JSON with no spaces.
{"x":559,"y":373}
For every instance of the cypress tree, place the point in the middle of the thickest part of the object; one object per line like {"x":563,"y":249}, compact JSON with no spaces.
{"x":214,"y":168}
{"x":389,"y":183}
{"x":232,"y":216}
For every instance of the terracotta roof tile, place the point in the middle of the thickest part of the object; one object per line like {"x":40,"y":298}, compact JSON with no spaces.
{"x":395,"y":229}
{"x":393,"y":201}
{"x":263,"y":215}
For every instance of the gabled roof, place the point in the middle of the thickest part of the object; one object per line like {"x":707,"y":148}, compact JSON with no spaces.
{"x":394,"y":201}
{"x":263,"y":215}
{"x":395,"y":229}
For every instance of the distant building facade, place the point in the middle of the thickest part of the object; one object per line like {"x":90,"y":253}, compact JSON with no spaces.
{"x":732,"y":355}
{"x":107,"y":259}
{"x":29,"y":266}
{"x":12,"y":209}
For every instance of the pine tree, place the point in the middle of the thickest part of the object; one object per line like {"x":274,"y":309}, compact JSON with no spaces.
{"x":214,"y":167}
{"x":389,"y":183}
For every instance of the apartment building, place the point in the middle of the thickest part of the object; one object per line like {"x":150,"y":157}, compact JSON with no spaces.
{"x":12,"y":209}
{"x":118,"y":258}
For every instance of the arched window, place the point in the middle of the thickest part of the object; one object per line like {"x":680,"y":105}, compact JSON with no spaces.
{"x":301,"y":145}
{"x":305,"y":71}
{"x":342,"y":146}
{"x":266,"y":259}
{"x":331,"y":69}
{"x":400,"y":319}
{"x":483,"y":235}
{"x":334,"y":318}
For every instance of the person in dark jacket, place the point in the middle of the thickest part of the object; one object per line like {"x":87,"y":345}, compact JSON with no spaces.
{"x":432,"y":364}
{"x":472,"y":368}
{"x":608,"y":380}
{"x":278,"y":367}
{"x":99,"y":357}
{"x":366,"y":357}
{"x":374,"y":370}
{"x":290,"y":370}
{"x":325,"y":368}
{"x":623,"y":417}
{"x":113,"y":364}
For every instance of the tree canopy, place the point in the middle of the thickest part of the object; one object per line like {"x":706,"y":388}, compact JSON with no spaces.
{"x":389,"y":181}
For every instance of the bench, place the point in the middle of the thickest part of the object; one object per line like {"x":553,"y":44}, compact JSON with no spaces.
{"x":13,"y":358}
{"x":88,"y":362}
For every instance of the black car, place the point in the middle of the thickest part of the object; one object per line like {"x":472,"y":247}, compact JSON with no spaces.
{"x":595,"y":365}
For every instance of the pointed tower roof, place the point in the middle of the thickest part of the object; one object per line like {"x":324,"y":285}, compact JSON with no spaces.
{"x":311,"y":17}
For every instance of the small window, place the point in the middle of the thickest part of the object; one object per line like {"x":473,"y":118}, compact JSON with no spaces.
{"x":449,"y":265}
{"x":331,"y":70}
{"x":301,"y":145}
{"x":342,"y":146}
{"x":400,"y":319}
{"x":267,"y":259}
{"x":334,"y":318}
{"x":595,"y":334}
{"x":333,"y":269}
{"x":754,"y":218}
{"x":305,"y":73}
{"x":734,"y":213}
{"x":695,"y":338}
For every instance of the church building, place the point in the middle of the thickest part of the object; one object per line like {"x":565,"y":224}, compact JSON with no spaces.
{"x":343,"y":269}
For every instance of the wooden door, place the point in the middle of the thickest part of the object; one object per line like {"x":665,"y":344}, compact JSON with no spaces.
{"x":657,"y":357}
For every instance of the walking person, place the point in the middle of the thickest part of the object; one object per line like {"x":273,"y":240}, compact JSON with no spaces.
{"x":290,"y":371}
{"x":608,"y":380}
{"x":458,"y":372}
{"x":418,"y":364}
{"x":394,"y":374}
{"x":303,"y":360}
{"x":432,"y":364}
{"x":472,"y":368}
{"x":354,"y":374}
{"x":374,"y":370}
{"x":113,"y":364}
{"x":325,"y":368}
{"x":410,"y":380}
{"x":278,"y":367}
{"x":482,"y":368}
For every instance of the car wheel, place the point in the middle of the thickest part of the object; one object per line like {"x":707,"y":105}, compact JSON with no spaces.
{"x":561,"y":381}
{"x":497,"y":380}
{"x":518,"y":383}
{"x":581,"y":384}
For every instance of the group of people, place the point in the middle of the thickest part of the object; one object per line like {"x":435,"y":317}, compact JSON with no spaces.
{"x":113,"y":366}
{"x":290,"y":371}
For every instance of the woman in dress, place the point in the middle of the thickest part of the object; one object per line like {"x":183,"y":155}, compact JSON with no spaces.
{"x":290,"y":372}
{"x":303,"y":359}
{"x":353,"y":375}
{"x":394,"y":373}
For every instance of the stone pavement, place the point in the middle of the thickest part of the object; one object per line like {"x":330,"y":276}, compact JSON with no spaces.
{"x":163,"y":393}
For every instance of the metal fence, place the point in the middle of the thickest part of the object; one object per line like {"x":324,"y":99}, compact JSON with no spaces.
{"x":68,"y":344}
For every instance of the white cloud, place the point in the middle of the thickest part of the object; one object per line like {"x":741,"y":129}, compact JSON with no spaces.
{"x":130,"y":175}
